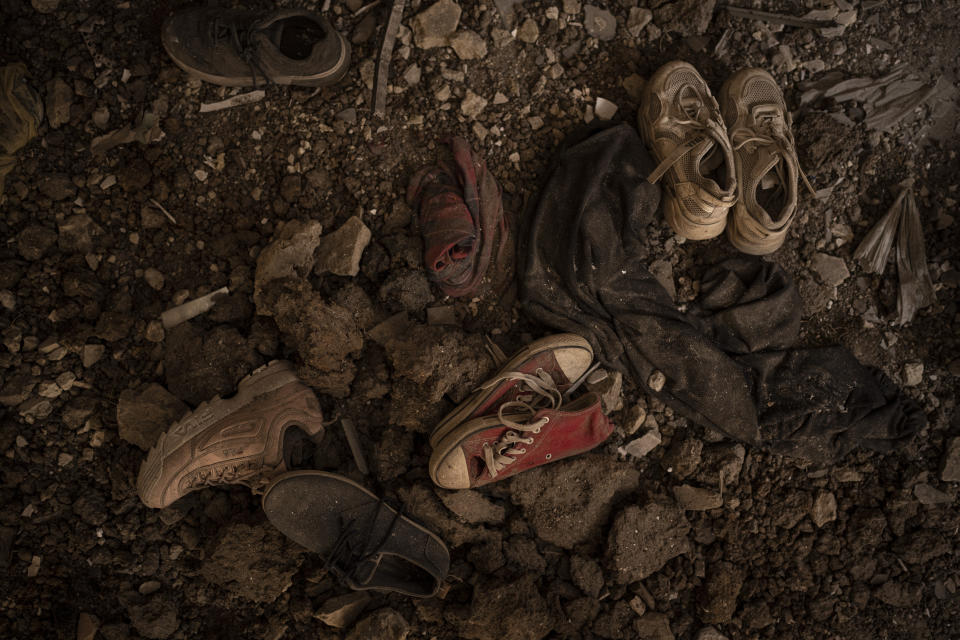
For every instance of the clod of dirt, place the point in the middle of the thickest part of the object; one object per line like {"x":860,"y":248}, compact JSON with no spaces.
{"x":200,"y":365}
{"x":339,"y":253}
{"x":113,"y":326}
{"x":721,"y":464}
{"x":683,"y":457}
{"x":568,"y":503}
{"x":434,"y":26}
{"x":950,"y":467}
{"x":341,"y":611}
{"x":653,"y":626}
{"x":599,"y":23}
{"x":472,"y":507}
{"x":428,"y":363}
{"x":406,"y":289}
{"x":614,"y":624}
{"x":643,"y":539}
{"x":587,"y":575}
{"x":144,"y":413}
{"x":529,"y":618}
{"x":57,"y":186}
{"x":252,"y":562}
{"x":697,"y":499}
{"x":289,"y":255}
{"x":157,"y":619}
{"x":824,"y":509}
{"x":423,"y":505}
{"x":34,"y":241}
{"x":718,"y":596}
{"x":383,"y":624}
{"x":77,"y":233}
{"x":323,"y":333}
{"x":685,"y":17}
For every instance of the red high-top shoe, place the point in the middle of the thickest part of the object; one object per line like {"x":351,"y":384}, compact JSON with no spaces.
{"x":543,"y":370}
{"x":488,"y":449}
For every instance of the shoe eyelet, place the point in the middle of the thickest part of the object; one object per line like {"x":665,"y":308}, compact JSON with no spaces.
{"x":523,"y":450}
{"x":545,"y":419}
{"x":537,"y":430}
{"x":548,"y":456}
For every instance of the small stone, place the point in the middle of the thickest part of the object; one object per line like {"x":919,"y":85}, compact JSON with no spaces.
{"x":150,"y":586}
{"x":91,"y":354}
{"x":571,"y":7}
{"x":16,"y":390}
{"x":599,"y":23}
{"x":153,"y":278}
{"x":49,"y":389}
{"x":697,"y":499}
{"x":604,"y":109}
{"x":411,"y":76}
{"x":472,"y":105}
{"x":927,"y":495}
{"x":824,"y":509}
{"x":154,"y":331}
{"x":610,"y":390}
{"x":58,"y":101}
{"x":157,"y":619}
{"x":643,"y":445}
{"x":638,"y":605}
{"x":657,"y":380}
{"x":683,"y":457}
{"x":710,"y":633}
{"x":912,"y":374}
{"x":363,"y":31}
{"x":8,"y":300}
{"x":289,"y":255}
{"x":341,"y":611}
{"x":500,"y":98}
{"x":950,"y":467}
{"x":587,"y":575}
{"x":831,"y":269}
{"x":718,"y":596}
{"x":142,"y":415}
{"x":434,"y":26}
{"x":87,"y":626}
{"x":639,"y":18}
{"x":469,"y":45}
{"x":340,"y":252}
{"x":64,"y":459}
{"x":76,"y":234}
{"x":34,"y":241}
{"x":34,"y":567}
{"x":528,"y":31}
{"x":634,"y":420}
{"x":654,"y":626}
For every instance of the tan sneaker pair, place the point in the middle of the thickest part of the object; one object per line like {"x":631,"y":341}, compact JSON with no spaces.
{"x":737,"y":155}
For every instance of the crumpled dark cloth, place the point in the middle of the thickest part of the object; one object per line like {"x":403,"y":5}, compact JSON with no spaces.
{"x":730,"y":361}
{"x":460,"y":213}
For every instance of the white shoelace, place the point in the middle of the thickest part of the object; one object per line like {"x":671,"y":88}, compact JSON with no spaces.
{"x":543,"y":388}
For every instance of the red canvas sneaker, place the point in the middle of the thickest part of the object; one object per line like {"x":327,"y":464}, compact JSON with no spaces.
{"x":488,"y":449}
{"x":540,"y":372}
{"x":244,"y":439}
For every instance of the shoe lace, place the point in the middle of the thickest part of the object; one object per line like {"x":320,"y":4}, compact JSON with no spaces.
{"x":544,"y":390}
{"x":702,"y":123}
{"x":242,"y":42}
{"x":352,"y":547}
{"x":770,"y":129}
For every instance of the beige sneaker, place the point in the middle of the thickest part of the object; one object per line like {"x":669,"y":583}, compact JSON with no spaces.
{"x":680,"y":122}
{"x":766,"y":160}
{"x":237,"y":440}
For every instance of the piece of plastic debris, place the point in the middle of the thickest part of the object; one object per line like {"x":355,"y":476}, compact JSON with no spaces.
{"x":901,"y":222}
{"x":604,"y":109}
{"x":353,"y":439}
{"x":382,"y":75}
{"x":147,"y":130}
{"x":886,"y":100}
{"x":192,"y":308}
{"x":234,"y":101}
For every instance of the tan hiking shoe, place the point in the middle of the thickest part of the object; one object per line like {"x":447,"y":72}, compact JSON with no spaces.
{"x":766,"y":160}
{"x":237,"y":440}
{"x":681,"y":124}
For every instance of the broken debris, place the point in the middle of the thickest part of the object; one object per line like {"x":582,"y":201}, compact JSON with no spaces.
{"x":234,"y":101}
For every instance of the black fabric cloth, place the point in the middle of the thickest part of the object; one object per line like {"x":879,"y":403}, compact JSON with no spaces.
{"x":730,"y":361}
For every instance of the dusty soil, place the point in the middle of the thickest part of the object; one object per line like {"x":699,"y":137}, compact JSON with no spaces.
{"x":593,"y":547}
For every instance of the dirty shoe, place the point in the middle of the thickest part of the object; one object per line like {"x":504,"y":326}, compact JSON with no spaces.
{"x":245,"y":439}
{"x":541,"y":371}
{"x":367,"y":543}
{"x":681,"y":124}
{"x":239,"y":48}
{"x":21,"y":112}
{"x":488,"y":449}
{"x":766,"y":160}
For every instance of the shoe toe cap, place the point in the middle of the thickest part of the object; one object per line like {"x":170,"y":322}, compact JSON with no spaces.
{"x":451,"y":471}
{"x":573,"y":361}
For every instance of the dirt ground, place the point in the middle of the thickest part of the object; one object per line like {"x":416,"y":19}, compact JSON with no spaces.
{"x":595,"y":547}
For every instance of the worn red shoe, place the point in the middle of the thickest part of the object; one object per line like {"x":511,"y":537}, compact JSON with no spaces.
{"x":540,"y":372}
{"x":489,"y":449}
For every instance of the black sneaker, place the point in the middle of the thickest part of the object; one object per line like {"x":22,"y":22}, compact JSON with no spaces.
{"x":367,"y":543}
{"x":240,"y":48}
